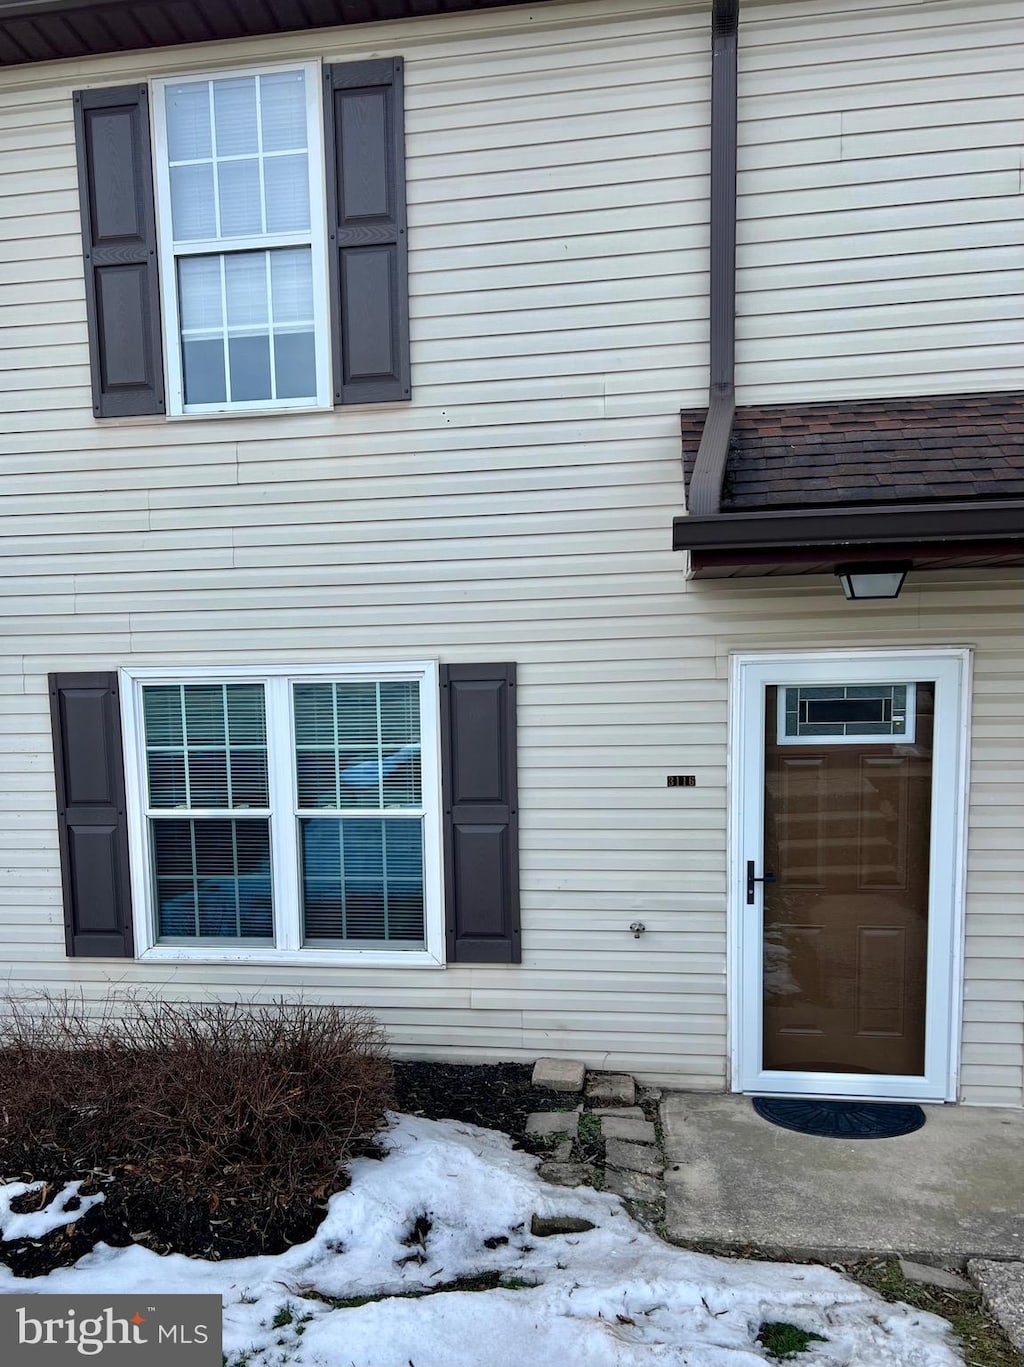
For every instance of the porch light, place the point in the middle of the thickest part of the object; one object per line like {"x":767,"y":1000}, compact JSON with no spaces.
{"x":879,"y":580}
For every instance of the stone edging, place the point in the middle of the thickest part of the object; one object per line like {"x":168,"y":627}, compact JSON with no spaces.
{"x":607,"y":1141}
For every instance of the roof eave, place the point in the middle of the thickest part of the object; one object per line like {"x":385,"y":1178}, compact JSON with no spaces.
{"x":35,"y":31}
{"x":930,"y":532}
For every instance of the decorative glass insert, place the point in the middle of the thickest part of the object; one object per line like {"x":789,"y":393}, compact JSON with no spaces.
{"x":850,"y":712}
{"x":357,"y":749}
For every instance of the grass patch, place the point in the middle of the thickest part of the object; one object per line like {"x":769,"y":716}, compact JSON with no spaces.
{"x":588,"y":1145}
{"x":589,"y":1128}
{"x":983,"y":1341}
{"x":486,"y":1281}
{"x":783,"y":1341}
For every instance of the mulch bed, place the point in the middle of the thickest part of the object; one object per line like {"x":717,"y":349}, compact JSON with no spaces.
{"x":158,"y":1215}
{"x":497,"y":1096}
{"x":212,"y":1223}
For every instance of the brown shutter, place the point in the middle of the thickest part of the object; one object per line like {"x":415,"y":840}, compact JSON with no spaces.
{"x":115,"y":186}
{"x":365,"y":153}
{"x":91,"y":814}
{"x":481,"y":821}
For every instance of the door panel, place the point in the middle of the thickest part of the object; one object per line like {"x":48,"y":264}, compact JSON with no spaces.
{"x":847,"y":832}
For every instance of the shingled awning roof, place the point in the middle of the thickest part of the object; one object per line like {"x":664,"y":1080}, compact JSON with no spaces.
{"x":44,"y":30}
{"x":937,"y":479}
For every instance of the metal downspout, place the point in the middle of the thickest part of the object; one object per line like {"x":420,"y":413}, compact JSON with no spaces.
{"x":705,"y":493}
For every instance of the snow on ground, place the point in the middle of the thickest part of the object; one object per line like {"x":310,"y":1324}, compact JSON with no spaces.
{"x":614,"y":1296}
{"x":53,"y":1215}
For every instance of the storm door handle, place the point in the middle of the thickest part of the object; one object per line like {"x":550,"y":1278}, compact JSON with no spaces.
{"x":751,"y":880}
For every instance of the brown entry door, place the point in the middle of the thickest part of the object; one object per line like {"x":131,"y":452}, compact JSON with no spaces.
{"x":846,"y":838}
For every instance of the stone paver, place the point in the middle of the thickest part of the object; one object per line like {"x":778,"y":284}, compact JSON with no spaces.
{"x":923,"y":1275}
{"x":610,"y":1089}
{"x":567,"y":1174}
{"x":1002,"y":1286}
{"x":636,"y":1131}
{"x":559,"y":1074}
{"x":635,"y":1186}
{"x":553,"y":1122}
{"x":950,"y":1191}
{"x":619,"y":1153}
{"x":633,"y":1160}
{"x":543,"y":1226}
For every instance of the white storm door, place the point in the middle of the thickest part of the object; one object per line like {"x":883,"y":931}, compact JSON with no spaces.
{"x":848,"y":801}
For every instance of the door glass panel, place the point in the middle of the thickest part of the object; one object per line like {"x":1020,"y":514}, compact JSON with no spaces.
{"x":845,"y":710}
{"x":846,"y":845}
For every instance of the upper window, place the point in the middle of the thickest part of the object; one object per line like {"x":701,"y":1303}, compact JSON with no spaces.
{"x":240,"y":199}
{"x":290,"y":812}
{"x":269,"y":269}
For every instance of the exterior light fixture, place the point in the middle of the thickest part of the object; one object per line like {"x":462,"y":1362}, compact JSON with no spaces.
{"x":873,"y":580}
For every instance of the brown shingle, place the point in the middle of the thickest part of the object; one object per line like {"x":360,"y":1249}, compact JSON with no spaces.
{"x":944,"y":446}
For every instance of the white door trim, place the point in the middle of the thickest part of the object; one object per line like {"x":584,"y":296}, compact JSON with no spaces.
{"x":750,"y":673}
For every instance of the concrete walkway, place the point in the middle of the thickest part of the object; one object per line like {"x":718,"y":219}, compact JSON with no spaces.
{"x":951,"y":1191}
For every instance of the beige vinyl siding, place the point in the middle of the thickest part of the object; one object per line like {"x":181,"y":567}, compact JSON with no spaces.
{"x":519,"y":508}
{"x":520,"y":499}
{"x":880,"y":199}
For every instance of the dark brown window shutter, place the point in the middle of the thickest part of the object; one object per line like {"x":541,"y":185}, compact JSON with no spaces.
{"x":115,"y":186}
{"x":91,"y":814}
{"x":365,"y":152}
{"x":481,"y":820}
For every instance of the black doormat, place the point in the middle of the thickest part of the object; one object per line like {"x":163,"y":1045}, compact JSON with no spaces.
{"x":840,"y":1119}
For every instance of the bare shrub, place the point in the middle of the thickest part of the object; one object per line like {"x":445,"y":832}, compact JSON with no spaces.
{"x":262,"y":1104}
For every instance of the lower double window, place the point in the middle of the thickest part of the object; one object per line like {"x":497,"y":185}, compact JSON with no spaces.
{"x":293,"y":811}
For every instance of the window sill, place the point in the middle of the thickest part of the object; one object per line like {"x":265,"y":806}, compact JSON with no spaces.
{"x":221,"y":414}
{"x":317,"y":958}
{"x":270,"y":411}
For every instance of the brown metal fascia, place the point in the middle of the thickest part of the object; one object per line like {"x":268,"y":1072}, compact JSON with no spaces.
{"x":30,"y":9}
{"x":705,"y":492}
{"x":834,"y":528}
{"x":253,"y":22}
{"x":800,"y":560}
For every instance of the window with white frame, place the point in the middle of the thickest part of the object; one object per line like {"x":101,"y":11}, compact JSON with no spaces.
{"x":240,"y":206}
{"x":291,"y":811}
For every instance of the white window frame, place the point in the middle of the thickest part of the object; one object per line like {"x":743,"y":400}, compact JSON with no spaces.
{"x":286,"y":884}
{"x":168,"y":253}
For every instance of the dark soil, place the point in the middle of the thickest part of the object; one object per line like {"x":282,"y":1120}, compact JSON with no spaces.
{"x":159,"y":1215}
{"x":496,"y":1096}
{"x":213,"y":1223}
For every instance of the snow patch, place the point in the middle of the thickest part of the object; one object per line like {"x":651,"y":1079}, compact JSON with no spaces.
{"x":38,"y":1223}
{"x":612,"y":1297}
